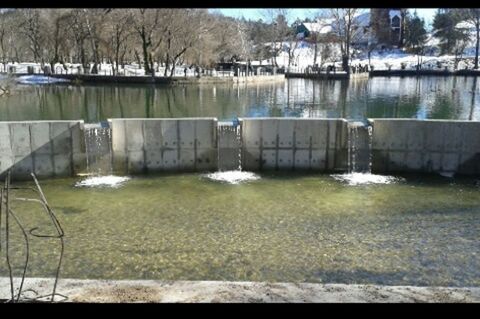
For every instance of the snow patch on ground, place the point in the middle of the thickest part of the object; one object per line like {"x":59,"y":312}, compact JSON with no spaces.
{"x":233,"y":177}
{"x":354,"y":179}
{"x":103,"y":181}
{"x":39,"y":79}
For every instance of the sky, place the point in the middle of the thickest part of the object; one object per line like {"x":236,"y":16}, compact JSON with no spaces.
{"x":255,"y":14}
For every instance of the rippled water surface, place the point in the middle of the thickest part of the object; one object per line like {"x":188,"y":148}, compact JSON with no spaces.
{"x":378,"y":97}
{"x":282,"y":227}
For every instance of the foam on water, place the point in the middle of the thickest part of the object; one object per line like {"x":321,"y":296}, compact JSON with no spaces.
{"x":365,"y":178}
{"x":233,"y":177}
{"x":39,"y":79}
{"x":103,"y":181}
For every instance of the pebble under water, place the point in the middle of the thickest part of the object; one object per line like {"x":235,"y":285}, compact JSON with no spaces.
{"x":419,"y":231}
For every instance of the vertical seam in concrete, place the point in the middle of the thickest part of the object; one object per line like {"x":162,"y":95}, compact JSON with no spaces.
{"x":294,"y":141}
{"x":31,"y":148}
{"x":126,"y":161}
{"x":178,"y":144}
{"x":327,"y":147}
{"x":277,"y":144}
{"x":144,"y":166}
{"x":72,"y":169}
{"x":52,"y":152}
{"x":195,"y":145}
{"x":261,"y":146}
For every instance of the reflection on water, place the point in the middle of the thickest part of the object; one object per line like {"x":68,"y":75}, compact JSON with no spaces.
{"x":280,"y":228}
{"x":395,"y":97}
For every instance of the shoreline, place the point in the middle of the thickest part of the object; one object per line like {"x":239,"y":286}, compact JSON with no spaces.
{"x":115,"y":291}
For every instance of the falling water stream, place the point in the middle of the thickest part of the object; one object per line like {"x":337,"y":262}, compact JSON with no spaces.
{"x":98,"y":150}
{"x":359,"y":158}
{"x":230,"y":156}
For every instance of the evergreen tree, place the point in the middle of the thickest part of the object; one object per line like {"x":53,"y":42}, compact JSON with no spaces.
{"x":415,"y":36}
{"x":444,"y":29}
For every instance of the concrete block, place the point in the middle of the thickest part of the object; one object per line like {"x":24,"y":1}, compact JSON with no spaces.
{"x":453,"y":132}
{"x":251,"y":159}
{"x":206,"y":133}
{"x":120,"y":161}
{"x":319,"y":132}
{"x":414,"y":161}
{"x":269,"y":133}
{"x":170,"y":134}
{"x":471,"y":137}
{"x":6,"y":162}
{"x":22,"y":167}
{"x":118,"y":136}
{"x":170,"y":159}
{"x":187,"y":159}
{"x":269,"y":158}
{"x":450,"y":162}
{"x":207,"y":159}
{"x":5,"y":138}
{"x":187,"y":133}
{"x":62,"y":165}
{"x":251,"y":133}
{"x":469,"y":163}
{"x":434,"y":138}
{"x":379,"y":161}
{"x":40,"y":135}
{"x":286,"y":130}
{"x":78,"y":137}
{"x":136,"y":163}
{"x":318,"y":160}
{"x":285,"y":159}
{"x":396,"y":161}
{"x":302,"y":159}
{"x":153,"y":135}
{"x":303,"y":132}
{"x":134,"y":135}
{"x":61,"y":138}
{"x":432,"y":162}
{"x":153,"y":160}
{"x":415,"y":136}
{"x":43,"y":165}
{"x":20,"y":138}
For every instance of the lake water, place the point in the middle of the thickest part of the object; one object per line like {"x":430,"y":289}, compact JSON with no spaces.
{"x":283,"y":227}
{"x":379,"y":97}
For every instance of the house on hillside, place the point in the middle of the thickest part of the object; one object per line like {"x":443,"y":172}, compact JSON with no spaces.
{"x":381,"y":26}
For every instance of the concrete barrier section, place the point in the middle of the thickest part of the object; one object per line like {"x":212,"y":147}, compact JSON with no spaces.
{"x":294,"y":144}
{"x":430,"y":146}
{"x":151,"y":145}
{"x":46,"y":148}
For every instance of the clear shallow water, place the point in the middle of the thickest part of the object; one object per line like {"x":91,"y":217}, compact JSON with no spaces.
{"x":283,"y":227}
{"x":379,"y":97}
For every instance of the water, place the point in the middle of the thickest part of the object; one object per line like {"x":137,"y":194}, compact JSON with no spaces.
{"x":98,"y":150}
{"x":423,"y":97}
{"x":280,"y":228}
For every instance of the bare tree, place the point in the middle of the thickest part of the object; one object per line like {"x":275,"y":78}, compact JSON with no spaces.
{"x":346,"y":29}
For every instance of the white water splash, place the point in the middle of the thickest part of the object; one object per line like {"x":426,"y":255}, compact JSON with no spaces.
{"x":233,"y":177}
{"x":103,"y":181}
{"x":365,"y":179}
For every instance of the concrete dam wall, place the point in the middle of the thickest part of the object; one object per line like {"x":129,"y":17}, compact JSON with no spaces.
{"x":141,"y":146}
